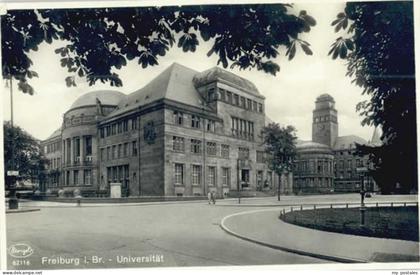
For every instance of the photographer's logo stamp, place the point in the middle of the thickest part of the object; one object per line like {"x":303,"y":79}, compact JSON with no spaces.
{"x":20,"y":250}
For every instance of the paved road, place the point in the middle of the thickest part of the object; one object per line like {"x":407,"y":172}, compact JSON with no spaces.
{"x":186,"y":234}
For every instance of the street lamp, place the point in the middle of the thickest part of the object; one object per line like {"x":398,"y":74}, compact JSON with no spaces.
{"x":13,"y":201}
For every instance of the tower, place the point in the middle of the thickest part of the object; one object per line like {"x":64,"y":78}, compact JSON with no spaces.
{"x":324,"y":124}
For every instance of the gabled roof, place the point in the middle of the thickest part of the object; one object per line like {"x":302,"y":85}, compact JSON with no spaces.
{"x":348,"y":142}
{"x":174,"y":83}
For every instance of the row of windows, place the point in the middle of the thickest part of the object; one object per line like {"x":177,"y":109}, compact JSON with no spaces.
{"x":86,"y":180}
{"x":325,"y":118}
{"x":312,"y":166}
{"x":242,"y":128}
{"x":196,"y":121}
{"x":119,"y":151}
{"x":196,"y":175}
{"x":178,"y":145}
{"x":72,"y":147}
{"x":240,"y":101}
{"x":118,"y":127}
{"x":52,"y":147}
{"x":54,"y":163}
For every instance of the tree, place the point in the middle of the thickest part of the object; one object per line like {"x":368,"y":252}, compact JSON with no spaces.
{"x":102,"y":40}
{"x":279,"y":143}
{"x":28,"y":157}
{"x":379,"y":49}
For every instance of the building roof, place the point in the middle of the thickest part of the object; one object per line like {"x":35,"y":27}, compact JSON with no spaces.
{"x":305,"y":146}
{"x":218,"y":74}
{"x":106,"y":97}
{"x":348,"y":142}
{"x":324,"y":97}
{"x":56,"y":133}
{"x":174,"y":83}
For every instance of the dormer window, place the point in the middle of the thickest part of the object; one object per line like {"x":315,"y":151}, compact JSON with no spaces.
{"x":195,"y":121}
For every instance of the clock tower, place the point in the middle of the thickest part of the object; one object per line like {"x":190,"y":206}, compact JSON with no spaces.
{"x":324,"y":124}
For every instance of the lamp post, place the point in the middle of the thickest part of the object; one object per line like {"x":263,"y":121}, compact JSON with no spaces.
{"x":13,"y":201}
{"x":362,"y":170}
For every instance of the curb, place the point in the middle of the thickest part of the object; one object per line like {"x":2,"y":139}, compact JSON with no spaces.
{"x":22,"y":211}
{"x":286,"y":249}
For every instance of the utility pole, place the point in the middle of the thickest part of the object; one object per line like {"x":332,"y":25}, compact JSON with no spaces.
{"x":13,"y":201}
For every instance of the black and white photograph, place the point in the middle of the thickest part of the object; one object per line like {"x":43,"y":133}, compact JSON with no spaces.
{"x":209,"y":134}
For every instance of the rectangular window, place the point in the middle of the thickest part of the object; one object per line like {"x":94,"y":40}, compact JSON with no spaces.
{"x":114,"y":151}
{"x":88,"y":145}
{"x":243,"y":153}
{"x":134,"y":123}
{"x":211,"y":126}
{"x":249,"y":104}
{"x":195,"y":121}
{"x":102,"y":132}
{"x":211,"y":148}
{"x":211,"y":95}
{"x":125,"y":125}
{"x":255,"y":106}
{"x":211,"y":175}
{"x":225,"y":151}
{"x":75,"y":177}
{"x":260,"y":108}
{"x":108,"y":130}
{"x":229,"y":97}
{"x":235,"y":99}
{"x":125,"y":149}
{"x":243,"y":102}
{"x":196,"y":175}
{"x":87,"y":176}
{"x":179,"y":174}
{"x":178,"y":118}
{"x":178,"y":144}
{"x":222,"y":95}
{"x":349,"y":164}
{"x":134,"y":148}
{"x":195,"y":146}
{"x":260,"y":156}
{"x":102,"y":153}
{"x":108,"y":153}
{"x":119,"y":127}
{"x":113,"y":129}
{"x":76,"y":147}
{"x":226,"y":176}
{"x":119,"y":150}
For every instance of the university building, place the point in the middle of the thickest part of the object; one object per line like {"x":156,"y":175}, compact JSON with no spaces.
{"x":328,"y":162}
{"x":183,"y":134}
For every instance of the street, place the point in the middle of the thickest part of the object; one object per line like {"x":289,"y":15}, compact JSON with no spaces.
{"x":181,"y":234}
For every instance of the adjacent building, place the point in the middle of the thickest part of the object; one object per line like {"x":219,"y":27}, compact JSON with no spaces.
{"x":183,"y":134}
{"x":328,"y":162}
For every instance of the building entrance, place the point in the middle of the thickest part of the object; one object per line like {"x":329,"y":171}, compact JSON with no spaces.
{"x":244,"y":177}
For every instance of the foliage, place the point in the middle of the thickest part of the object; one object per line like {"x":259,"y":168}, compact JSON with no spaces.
{"x":280,"y":147}
{"x":379,"y":49}
{"x":28,"y":157}
{"x":102,"y":40}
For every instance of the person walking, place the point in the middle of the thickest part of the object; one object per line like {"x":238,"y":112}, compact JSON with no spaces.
{"x":213,"y":197}
{"x":209,"y":196}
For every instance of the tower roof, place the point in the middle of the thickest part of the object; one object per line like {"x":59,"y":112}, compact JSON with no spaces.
{"x":325,"y":97}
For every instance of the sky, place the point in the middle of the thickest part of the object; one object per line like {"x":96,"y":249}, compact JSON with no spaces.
{"x":290,"y":95}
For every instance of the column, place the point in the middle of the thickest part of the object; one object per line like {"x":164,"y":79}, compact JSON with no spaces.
{"x":82,"y":149}
{"x":64,"y":158}
{"x":71,"y":151}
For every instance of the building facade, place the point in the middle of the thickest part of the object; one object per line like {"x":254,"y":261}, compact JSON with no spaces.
{"x":328,"y":163}
{"x":183,"y":134}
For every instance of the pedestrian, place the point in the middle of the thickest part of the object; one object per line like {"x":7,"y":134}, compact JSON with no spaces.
{"x":213,"y":197}
{"x":209,"y":196}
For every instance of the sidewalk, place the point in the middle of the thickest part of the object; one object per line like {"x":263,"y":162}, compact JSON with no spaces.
{"x":314,"y":199}
{"x":265,"y":228}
